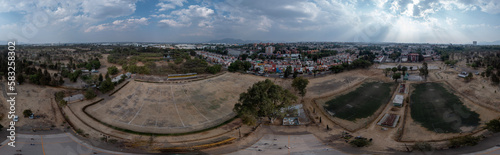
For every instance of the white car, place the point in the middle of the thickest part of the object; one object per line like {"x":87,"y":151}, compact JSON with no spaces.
{"x":16,"y":118}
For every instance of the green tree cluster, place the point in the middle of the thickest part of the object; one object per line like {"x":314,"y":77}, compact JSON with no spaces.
{"x":263,"y":99}
{"x":493,"y":125}
{"x":113,"y":70}
{"x":106,"y":85}
{"x":464,"y":141}
{"x":300,"y":85}
{"x":239,"y":66}
{"x":89,"y":94}
{"x":214,"y":69}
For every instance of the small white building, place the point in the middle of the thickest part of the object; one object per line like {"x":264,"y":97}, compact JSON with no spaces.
{"x":398,"y":100}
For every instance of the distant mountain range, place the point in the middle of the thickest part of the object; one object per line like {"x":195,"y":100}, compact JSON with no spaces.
{"x":235,"y":41}
{"x":489,"y":43}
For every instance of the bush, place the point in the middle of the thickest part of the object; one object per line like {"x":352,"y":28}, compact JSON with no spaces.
{"x":27,"y":113}
{"x":422,"y":146}
{"x":112,"y":70}
{"x":214,"y":69}
{"x":89,"y":94}
{"x":362,"y":142}
{"x":59,"y":96}
{"x":493,"y":125}
{"x":464,"y":141}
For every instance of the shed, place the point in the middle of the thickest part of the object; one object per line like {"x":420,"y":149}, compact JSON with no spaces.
{"x":398,"y":100}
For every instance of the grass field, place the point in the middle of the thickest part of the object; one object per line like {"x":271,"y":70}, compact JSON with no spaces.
{"x":362,"y":102}
{"x":439,"y":110}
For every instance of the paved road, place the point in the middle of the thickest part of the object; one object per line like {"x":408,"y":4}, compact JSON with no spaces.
{"x":288,"y":144}
{"x":53,"y":144}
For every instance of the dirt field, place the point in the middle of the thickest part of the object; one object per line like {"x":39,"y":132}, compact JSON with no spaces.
{"x":173,"y":108}
{"x":478,"y":89}
{"x":41,"y":102}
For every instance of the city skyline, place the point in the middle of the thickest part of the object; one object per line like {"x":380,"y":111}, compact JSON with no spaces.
{"x":428,"y":21}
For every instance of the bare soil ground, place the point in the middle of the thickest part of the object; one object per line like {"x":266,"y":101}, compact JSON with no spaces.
{"x":174,"y":108}
{"x":40,"y":100}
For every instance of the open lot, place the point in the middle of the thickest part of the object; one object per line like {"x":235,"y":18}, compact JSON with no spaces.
{"x":57,"y":144}
{"x":439,"y":110}
{"x":173,"y":108}
{"x":288,"y":144}
{"x":360,"y":103}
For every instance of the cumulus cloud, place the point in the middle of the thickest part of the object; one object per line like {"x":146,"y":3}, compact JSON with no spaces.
{"x":173,"y":23}
{"x":101,"y":9}
{"x":170,"y":4}
{"x":200,"y":15}
{"x":119,"y":25}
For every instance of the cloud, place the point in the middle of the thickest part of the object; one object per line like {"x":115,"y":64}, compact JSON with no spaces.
{"x":200,"y":15}
{"x":173,"y":23}
{"x":169,"y":4}
{"x":102,"y":9}
{"x":119,"y":25}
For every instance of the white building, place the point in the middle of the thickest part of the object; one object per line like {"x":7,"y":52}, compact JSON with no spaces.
{"x":269,"y":50}
{"x":398,"y":100}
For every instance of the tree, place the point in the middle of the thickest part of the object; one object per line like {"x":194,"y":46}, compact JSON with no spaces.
{"x":300,"y":85}
{"x":464,"y":141}
{"x":468,"y":77}
{"x":424,"y":71}
{"x":236,"y":66}
{"x":192,"y":53}
{"x":214,"y":69}
{"x":106,"y":86}
{"x":396,"y":76}
{"x":494,"y":79}
{"x":288,"y":71}
{"x":20,"y":78}
{"x":74,"y":76}
{"x":112,"y":70}
{"x":361,"y":142}
{"x":493,"y":125}
{"x":336,"y":68}
{"x":27,"y":113}
{"x":100,"y":77}
{"x":295,"y":73}
{"x":394,"y":69}
{"x":89,"y":94}
{"x":386,"y":71}
{"x":404,"y":69}
{"x":244,"y":56}
{"x":247,"y":65}
{"x":263,"y":99}
{"x":61,"y":80}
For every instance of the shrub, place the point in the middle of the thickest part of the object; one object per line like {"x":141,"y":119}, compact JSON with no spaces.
{"x":493,"y":125}
{"x":464,"y":141}
{"x":27,"y":112}
{"x":362,"y":142}
{"x":90,"y":94}
{"x":112,"y":70}
{"x":422,"y":146}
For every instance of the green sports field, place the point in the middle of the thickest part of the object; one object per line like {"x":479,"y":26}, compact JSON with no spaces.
{"x":362,"y":102}
{"x":439,"y":110}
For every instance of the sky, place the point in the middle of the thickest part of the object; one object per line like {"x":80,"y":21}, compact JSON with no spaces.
{"x":402,"y":21}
